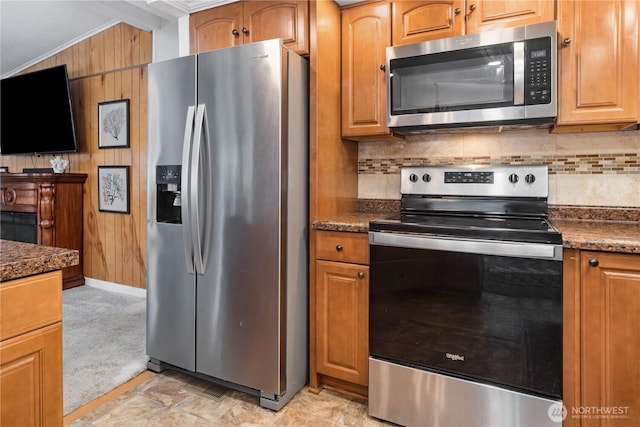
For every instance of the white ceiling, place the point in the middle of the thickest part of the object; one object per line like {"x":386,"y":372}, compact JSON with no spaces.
{"x":32,"y":30}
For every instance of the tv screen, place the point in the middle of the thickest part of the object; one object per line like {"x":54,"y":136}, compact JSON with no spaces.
{"x":36,"y":114}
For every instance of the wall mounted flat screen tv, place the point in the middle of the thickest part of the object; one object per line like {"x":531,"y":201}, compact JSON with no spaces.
{"x":36,"y":115}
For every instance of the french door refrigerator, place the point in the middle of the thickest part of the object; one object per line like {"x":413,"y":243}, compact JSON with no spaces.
{"x":227,"y":276}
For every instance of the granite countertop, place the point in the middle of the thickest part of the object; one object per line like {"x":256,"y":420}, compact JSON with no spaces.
{"x":608,"y":236}
{"x":19,"y":259}
{"x":593,"y":233}
{"x":355,"y":222}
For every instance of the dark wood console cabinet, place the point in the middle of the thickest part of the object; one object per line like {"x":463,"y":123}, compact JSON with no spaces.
{"x":55,"y":200}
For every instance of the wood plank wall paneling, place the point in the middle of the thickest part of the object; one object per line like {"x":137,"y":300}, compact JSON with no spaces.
{"x":108,"y":66}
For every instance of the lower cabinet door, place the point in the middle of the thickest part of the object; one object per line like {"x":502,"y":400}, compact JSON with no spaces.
{"x":610,"y":348}
{"x":31,"y":378}
{"x":342,"y":321}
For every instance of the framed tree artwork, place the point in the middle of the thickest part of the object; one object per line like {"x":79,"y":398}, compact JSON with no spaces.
{"x":113,"y":189}
{"x":113,"y":121}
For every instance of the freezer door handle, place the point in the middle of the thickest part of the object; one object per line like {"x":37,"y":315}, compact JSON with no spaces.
{"x":200,"y":196}
{"x":185,"y":178}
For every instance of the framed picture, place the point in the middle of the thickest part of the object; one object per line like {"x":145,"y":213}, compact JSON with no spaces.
{"x":113,"y":189}
{"x":113,"y":119}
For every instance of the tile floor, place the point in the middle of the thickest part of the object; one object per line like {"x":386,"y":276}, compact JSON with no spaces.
{"x":170,"y":399}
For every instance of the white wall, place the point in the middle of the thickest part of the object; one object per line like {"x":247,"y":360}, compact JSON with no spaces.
{"x":172,"y":40}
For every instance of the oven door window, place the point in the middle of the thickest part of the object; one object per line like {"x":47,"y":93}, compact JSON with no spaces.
{"x":453,"y":81}
{"x":494,"y":319}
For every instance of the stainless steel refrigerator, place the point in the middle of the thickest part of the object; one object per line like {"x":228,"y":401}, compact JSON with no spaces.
{"x":227,"y":276}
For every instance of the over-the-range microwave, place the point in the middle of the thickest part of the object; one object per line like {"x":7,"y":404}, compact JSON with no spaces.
{"x":505,"y":77}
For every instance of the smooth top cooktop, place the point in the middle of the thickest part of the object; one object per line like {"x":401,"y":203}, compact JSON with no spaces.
{"x":502,"y":227}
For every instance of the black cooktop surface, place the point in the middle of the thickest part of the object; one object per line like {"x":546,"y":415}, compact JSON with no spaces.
{"x":489,"y":227}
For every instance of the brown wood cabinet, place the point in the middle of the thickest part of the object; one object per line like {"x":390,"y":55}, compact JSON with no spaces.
{"x":251,"y":21}
{"x":493,"y":14}
{"x":601,"y":346}
{"x":31,"y":351}
{"x":416,"y":21}
{"x":366,"y":32}
{"x":598,"y":65}
{"x":341,"y":311}
{"x":55,"y":201}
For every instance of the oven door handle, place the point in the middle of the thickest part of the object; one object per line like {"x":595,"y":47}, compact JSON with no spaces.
{"x":481,"y":247}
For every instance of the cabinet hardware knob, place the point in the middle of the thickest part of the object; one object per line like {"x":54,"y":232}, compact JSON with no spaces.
{"x":472,"y":7}
{"x":593,"y":262}
{"x":566,"y":41}
{"x":383,"y":67}
{"x":360,"y":274}
{"x":235,"y":32}
{"x":339,"y":248}
{"x":457,"y":11}
{"x":245,"y":31}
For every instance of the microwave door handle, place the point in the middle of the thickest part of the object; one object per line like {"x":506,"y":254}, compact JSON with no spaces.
{"x":518,"y":73}
{"x":187,"y":145}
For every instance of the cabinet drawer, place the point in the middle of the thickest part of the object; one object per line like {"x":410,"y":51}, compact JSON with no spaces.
{"x":30,"y":303}
{"x":342,"y":246}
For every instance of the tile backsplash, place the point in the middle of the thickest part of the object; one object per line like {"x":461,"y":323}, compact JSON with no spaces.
{"x":585,"y":169}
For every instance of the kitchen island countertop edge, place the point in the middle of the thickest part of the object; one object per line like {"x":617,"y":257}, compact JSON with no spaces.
{"x":19,"y":259}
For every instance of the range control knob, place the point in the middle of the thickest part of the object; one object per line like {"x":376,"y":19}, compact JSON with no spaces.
{"x":426,"y":177}
{"x":413,"y":177}
{"x":513,"y":178}
{"x":530,"y":178}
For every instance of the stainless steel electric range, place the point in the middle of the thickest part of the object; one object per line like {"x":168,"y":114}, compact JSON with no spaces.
{"x":465,"y":315}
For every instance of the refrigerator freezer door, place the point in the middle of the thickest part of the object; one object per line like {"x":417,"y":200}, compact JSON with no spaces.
{"x":240,"y":301}
{"x":170,"y":288}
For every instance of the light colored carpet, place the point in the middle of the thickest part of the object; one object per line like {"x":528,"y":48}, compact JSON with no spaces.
{"x":103,"y":342}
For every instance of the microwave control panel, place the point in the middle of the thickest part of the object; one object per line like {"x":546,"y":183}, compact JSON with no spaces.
{"x":537,"y":71}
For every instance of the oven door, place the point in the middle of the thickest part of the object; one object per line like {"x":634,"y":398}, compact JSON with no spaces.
{"x":484,"y":311}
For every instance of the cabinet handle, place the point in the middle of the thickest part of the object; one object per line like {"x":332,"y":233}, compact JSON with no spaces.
{"x":593,"y":262}
{"x":245,"y":31}
{"x":383,"y":67}
{"x":472,"y":8}
{"x":339,"y":248}
{"x":457,"y":11}
{"x":235,"y":32}
{"x":566,"y":41}
{"x":360,"y":274}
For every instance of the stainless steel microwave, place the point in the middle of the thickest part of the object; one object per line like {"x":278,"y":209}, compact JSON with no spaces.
{"x":496,"y":78}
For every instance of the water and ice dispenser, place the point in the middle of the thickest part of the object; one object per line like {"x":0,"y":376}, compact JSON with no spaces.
{"x":169,"y":197}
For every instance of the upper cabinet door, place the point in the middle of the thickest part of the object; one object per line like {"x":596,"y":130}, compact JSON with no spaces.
{"x":216,"y":28}
{"x":251,"y":21}
{"x":598,"y":62}
{"x":485,"y":15}
{"x":366,"y":32}
{"x":265,"y":20}
{"x":417,"y":21}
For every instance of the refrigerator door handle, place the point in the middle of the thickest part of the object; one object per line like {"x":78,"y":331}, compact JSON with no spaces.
{"x":185,"y":178}
{"x":200,"y":181}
